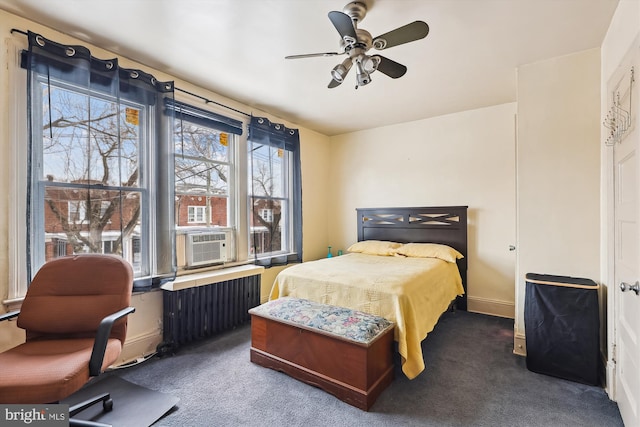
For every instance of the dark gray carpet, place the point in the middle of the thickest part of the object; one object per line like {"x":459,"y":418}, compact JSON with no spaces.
{"x":472,"y":379}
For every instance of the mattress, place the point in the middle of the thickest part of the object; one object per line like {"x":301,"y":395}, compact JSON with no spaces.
{"x":411,"y":292}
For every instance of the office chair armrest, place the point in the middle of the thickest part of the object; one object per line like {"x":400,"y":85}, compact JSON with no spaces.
{"x":9,"y":315}
{"x":102,"y":336}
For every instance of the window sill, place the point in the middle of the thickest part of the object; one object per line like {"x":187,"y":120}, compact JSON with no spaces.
{"x":13,"y":304}
{"x":213,"y":276}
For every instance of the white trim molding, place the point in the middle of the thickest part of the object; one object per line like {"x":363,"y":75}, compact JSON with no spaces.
{"x":491,"y":307}
{"x":139,"y":347}
{"x":213,"y":276}
{"x":519,"y":344}
{"x":17,"y":132}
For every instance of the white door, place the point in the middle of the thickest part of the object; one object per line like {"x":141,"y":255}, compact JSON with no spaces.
{"x":627,"y":256}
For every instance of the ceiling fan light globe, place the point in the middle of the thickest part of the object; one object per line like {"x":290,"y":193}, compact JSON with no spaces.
{"x":370,"y":63}
{"x":340,"y":71}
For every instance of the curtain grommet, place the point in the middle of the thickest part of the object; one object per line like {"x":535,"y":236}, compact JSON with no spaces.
{"x":109,"y":65}
{"x":70,"y":51}
{"x":134,"y":75}
{"x":40,"y":40}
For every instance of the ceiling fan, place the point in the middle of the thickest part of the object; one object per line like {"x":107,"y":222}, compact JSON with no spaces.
{"x":356,"y":42}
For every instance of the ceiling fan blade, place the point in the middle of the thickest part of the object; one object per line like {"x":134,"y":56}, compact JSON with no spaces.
{"x":312,"y":55}
{"x":415,"y":31}
{"x":344,"y":25}
{"x":391,"y":68}
{"x":334,"y":83}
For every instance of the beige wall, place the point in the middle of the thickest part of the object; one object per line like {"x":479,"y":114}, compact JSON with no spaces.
{"x":558,"y":165}
{"x":466,"y":158}
{"x":146,"y":324}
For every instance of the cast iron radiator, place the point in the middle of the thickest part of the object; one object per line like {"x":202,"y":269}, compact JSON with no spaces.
{"x":199,"y":312}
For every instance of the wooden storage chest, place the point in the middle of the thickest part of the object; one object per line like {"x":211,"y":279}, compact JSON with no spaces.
{"x":344,"y":352}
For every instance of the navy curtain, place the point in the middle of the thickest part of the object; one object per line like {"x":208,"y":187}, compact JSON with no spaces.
{"x":203,"y":117}
{"x":275,"y":186}
{"x":102,"y":141}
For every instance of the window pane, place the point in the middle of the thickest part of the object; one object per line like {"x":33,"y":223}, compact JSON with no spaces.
{"x":268,"y":171}
{"x":198,"y":177}
{"x":268,"y":221}
{"x":80,"y":140}
{"x":96,"y":226}
{"x":201,"y":142}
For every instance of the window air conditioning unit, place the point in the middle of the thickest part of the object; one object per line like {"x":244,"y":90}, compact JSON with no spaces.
{"x":207,"y":248}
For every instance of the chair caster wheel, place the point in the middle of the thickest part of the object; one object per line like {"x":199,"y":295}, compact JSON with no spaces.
{"x":107,"y":405}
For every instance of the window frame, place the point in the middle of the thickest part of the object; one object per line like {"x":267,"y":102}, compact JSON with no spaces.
{"x":283,"y":142}
{"x":144,"y":187}
{"x":17,"y":77}
{"x":238,"y":177}
{"x":286,"y":209}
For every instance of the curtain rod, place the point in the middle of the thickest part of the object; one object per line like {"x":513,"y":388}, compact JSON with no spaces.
{"x":207,"y":101}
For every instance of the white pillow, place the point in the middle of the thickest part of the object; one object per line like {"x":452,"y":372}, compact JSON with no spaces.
{"x":375,"y":247}
{"x":429,"y":250}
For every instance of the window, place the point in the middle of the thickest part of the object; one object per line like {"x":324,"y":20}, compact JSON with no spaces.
{"x":90,"y":186}
{"x":266,"y":215}
{"x":275,"y":196}
{"x":205,"y":171}
{"x":197,"y":214}
{"x":77,"y":210}
{"x":98,"y":160}
{"x":109,"y":247}
{"x":60,"y":247}
{"x":116,"y":165}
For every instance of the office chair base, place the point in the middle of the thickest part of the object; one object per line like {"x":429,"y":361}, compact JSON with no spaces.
{"x":107,"y":406}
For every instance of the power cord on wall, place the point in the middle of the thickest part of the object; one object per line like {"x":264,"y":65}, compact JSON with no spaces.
{"x":134,"y":362}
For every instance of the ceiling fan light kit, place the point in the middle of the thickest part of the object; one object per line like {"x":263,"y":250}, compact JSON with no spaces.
{"x":340,"y":71}
{"x":356,"y":42}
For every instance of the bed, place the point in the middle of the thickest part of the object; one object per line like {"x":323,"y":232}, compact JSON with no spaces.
{"x":411,"y":291}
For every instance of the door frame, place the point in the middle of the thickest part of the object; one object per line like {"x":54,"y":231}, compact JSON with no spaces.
{"x":609,"y":301}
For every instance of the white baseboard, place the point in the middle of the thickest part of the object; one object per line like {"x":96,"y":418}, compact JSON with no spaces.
{"x":519,"y":344}
{"x":139,"y":346}
{"x":610,"y":381}
{"x":491,"y":307}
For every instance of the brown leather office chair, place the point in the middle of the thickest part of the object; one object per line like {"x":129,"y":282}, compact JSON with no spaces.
{"x":74,"y":315}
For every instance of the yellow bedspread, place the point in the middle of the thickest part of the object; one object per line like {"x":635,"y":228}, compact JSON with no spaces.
{"x":411,"y":292}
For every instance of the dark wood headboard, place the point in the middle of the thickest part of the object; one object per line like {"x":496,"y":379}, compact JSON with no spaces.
{"x":434,"y":224}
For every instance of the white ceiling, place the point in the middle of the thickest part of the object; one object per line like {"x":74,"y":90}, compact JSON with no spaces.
{"x":236,"y":48}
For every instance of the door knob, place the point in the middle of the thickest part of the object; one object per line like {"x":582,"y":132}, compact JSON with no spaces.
{"x":635,"y":287}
